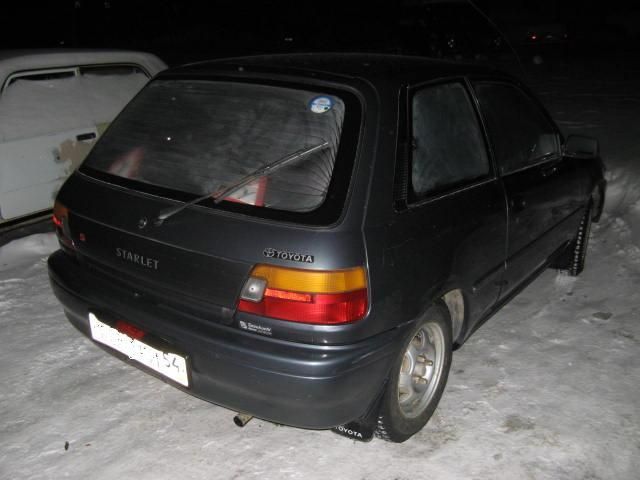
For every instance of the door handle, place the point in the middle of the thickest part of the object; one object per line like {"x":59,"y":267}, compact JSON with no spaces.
{"x":85,"y":136}
{"x":548,"y":171}
{"x":518,"y":204}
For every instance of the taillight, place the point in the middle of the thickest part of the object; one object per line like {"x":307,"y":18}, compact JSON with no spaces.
{"x":60,"y":213}
{"x":60,"y":220}
{"x":326,"y":297}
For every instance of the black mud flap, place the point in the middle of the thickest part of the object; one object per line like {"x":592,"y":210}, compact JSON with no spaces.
{"x":363,"y":428}
{"x":357,"y":430}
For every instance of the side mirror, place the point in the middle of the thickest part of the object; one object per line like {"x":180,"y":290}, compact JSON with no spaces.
{"x":578,"y":146}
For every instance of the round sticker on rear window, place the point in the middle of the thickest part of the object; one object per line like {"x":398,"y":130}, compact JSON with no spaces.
{"x":320,"y":104}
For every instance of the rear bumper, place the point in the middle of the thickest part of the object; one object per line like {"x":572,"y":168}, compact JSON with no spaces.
{"x":309,"y":386}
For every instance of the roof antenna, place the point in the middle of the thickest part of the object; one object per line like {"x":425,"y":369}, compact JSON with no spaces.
{"x":504,"y":37}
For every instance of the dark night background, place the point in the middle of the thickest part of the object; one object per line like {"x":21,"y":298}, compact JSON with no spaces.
{"x":183,"y":31}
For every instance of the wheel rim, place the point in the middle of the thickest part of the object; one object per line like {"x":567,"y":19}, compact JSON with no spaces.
{"x":421,"y":370}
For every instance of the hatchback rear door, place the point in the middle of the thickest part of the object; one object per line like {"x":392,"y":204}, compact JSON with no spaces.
{"x":198,"y":180}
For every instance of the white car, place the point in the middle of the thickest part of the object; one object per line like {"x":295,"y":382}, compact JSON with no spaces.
{"x":54,"y":104}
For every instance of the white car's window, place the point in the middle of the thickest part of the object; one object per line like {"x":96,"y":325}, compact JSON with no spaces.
{"x":107,"y":90}
{"x":48,"y":103}
{"x":111,"y":70}
{"x":41,"y":75}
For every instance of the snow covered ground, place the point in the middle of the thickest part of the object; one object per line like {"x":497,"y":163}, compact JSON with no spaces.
{"x":547,"y":389}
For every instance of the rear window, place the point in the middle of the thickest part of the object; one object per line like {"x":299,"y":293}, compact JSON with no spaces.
{"x":188,"y":138}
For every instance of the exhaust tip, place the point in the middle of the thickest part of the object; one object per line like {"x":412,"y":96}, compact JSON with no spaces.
{"x":242,"y":419}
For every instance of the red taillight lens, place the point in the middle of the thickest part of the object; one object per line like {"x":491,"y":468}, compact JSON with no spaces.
{"x":57,"y":221}
{"x":60,"y":214}
{"x":324,"y":309}
{"x":60,"y":220}
{"x":306,"y":296}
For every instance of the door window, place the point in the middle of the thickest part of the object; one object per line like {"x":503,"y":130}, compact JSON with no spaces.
{"x":40,"y":76}
{"x":448,"y":147}
{"x":47,"y":102}
{"x":112,"y":70}
{"x":106,"y":89}
{"x":520,"y":132}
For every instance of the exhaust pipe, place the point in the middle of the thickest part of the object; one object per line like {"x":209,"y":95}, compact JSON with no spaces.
{"x":242,"y":419}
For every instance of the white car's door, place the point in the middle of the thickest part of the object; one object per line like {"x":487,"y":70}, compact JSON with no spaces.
{"x":49,"y":121}
{"x":33,"y":169}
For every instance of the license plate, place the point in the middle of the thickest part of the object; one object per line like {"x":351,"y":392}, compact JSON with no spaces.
{"x":168,"y":364}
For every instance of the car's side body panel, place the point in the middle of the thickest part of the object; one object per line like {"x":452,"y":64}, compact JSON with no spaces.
{"x":457,"y":241}
{"x":545,"y":206}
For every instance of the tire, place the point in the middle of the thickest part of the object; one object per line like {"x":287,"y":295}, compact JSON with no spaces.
{"x":418,"y":377}
{"x":582,"y":242}
{"x":573,"y":260}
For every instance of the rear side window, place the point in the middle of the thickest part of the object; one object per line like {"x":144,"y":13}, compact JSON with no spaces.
{"x":448,"y":147}
{"x":201,"y":137}
{"x":520,"y":132}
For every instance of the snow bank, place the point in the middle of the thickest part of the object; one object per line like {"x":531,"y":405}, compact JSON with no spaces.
{"x":601,"y":99}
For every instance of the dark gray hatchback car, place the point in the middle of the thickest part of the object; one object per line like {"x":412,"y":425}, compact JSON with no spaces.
{"x":305,"y":238}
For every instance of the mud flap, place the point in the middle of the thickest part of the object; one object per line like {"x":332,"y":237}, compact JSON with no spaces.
{"x":363,"y":428}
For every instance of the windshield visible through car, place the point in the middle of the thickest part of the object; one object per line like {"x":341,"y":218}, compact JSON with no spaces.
{"x":200,"y":137}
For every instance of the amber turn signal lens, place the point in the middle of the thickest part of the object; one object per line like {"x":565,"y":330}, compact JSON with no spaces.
{"x":326,"y":297}
{"x":312,"y":281}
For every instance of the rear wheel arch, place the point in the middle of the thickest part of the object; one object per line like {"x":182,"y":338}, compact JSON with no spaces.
{"x":416,"y":381}
{"x":455,"y":302}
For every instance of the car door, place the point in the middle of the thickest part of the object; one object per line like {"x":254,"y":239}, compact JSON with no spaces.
{"x":29,"y":133}
{"x":49,"y":120}
{"x":453,"y":229}
{"x":538,"y":184}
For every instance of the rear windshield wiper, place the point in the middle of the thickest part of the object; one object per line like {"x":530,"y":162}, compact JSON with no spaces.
{"x":220,"y":194}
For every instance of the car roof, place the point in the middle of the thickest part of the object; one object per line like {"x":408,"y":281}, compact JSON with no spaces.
{"x":375,"y":68}
{"x":12,"y":61}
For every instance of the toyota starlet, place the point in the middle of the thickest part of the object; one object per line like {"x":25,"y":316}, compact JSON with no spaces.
{"x":307,"y":238}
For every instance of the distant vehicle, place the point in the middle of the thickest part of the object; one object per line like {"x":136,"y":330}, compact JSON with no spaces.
{"x":545,"y":33}
{"x":54,"y":104}
{"x":447,"y":29}
{"x":306,"y":238}
{"x":541,"y":41}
